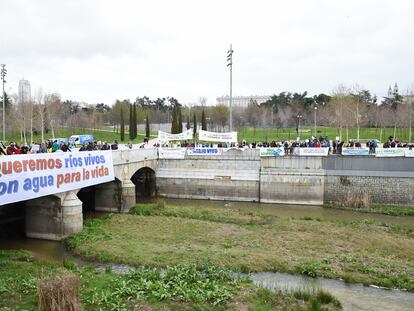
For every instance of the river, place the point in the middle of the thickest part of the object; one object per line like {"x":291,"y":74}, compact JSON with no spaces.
{"x":352,"y":296}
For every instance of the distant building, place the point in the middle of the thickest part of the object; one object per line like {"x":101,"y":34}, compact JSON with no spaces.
{"x":242,"y":101}
{"x":24,"y":94}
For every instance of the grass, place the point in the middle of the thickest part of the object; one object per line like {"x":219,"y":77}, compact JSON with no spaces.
{"x":183,"y":287}
{"x":360,"y":251}
{"x":391,"y":210}
{"x":266,"y":300}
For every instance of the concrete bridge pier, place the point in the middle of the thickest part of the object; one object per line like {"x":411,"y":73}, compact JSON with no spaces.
{"x":108,"y":197}
{"x":54,"y":217}
{"x":128,"y":196}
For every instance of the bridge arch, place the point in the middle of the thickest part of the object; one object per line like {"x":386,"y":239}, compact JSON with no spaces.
{"x":144,"y":180}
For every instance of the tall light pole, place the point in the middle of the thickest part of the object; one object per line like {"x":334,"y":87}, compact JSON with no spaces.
{"x":3,"y":73}
{"x":230,"y":64}
{"x":314,"y":125}
{"x":299,"y":116}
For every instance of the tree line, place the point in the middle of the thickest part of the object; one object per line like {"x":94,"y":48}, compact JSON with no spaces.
{"x":345,"y":107}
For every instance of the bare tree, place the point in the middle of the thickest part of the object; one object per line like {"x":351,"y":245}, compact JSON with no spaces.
{"x":41,"y":112}
{"x":338,"y":102}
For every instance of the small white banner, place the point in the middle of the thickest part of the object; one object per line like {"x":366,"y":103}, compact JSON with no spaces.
{"x":204,"y":151}
{"x":390,"y":152}
{"x":163,"y":136}
{"x":28,"y":176}
{"x":409,"y":153}
{"x":229,"y":137}
{"x":171,"y":153}
{"x":272,"y":152}
{"x":355,"y":151}
{"x":310,"y":151}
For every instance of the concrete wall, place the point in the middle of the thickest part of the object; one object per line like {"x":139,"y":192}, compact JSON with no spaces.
{"x":244,"y":176}
{"x":231,"y":176}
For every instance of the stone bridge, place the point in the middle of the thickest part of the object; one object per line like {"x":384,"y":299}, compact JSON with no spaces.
{"x":54,"y":217}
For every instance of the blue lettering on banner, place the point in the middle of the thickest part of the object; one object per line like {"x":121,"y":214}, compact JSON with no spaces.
{"x":199,"y":151}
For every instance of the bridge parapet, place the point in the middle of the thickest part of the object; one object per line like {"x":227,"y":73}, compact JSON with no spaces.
{"x":121,"y":157}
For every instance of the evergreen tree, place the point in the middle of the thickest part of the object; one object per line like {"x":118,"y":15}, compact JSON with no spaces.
{"x":131,"y":123}
{"x":174,"y":129}
{"x":194,"y":125}
{"x":122,"y":126}
{"x":203,"y":121}
{"x":147,"y":128}
{"x":134,"y":117}
{"x":188,"y":126}
{"x":6,"y":101}
{"x":180,"y":120}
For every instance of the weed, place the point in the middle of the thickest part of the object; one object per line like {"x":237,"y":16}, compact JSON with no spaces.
{"x":59,"y":293}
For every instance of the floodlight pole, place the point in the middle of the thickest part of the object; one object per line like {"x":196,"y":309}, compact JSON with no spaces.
{"x":3,"y":75}
{"x":230,"y":63}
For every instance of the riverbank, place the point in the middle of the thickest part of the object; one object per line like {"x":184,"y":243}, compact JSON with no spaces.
{"x":175,"y":288}
{"x":391,"y":210}
{"x":160,"y":235}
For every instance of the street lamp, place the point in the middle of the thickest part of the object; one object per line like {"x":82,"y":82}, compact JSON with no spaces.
{"x":3,"y":73}
{"x":299,"y":117}
{"x":314,"y":125}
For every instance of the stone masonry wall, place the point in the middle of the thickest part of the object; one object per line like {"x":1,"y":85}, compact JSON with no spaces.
{"x":380,"y":190}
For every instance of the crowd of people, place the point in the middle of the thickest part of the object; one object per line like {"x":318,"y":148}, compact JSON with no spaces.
{"x":335,"y":147}
{"x":51,"y":146}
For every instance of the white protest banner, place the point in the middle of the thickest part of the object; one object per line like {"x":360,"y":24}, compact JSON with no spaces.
{"x":390,"y":152}
{"x":171,"y":153}
{"x":204,"y":151}
{"x":28,"y":176}
{"x":312,"y":151}
{"x":353,"y":151}
{"x":409,"y":153}
{"x":228,"y":137}
{"x":272,"y":152}
{"x":163,"y":136}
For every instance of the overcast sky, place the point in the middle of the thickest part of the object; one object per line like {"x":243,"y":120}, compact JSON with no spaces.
{"x":99,"y":51}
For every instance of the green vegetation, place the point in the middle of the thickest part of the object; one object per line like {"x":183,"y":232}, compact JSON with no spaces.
{"x":391,"y":210}
{"x":159,"y":235}
{"x":188,"y":287}
{"x":265,"y":300}
{"x":18,"y":279}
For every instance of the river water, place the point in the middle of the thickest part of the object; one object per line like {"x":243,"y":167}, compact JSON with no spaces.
{"x":352,"y":296}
